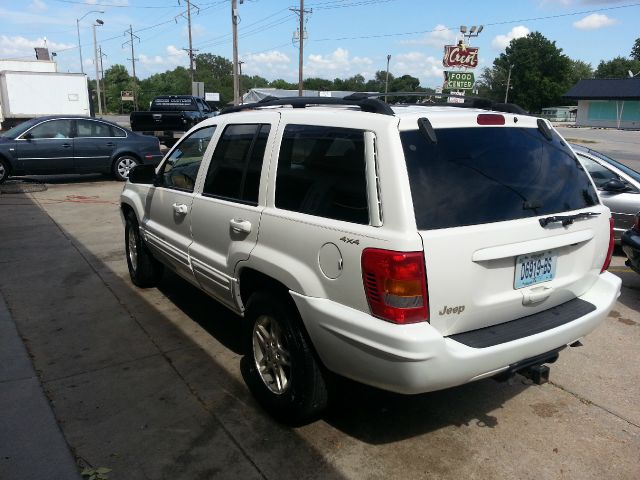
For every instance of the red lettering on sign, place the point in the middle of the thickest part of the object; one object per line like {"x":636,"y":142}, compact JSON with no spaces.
{"x":460,"y":56}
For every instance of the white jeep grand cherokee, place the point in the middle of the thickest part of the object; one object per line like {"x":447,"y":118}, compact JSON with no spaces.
{"x":412,"y":248}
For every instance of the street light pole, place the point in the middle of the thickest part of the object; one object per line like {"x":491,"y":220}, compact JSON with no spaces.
{"x":97,"y":23}
{"x":386,"y":82}
{"x":506,"y":93}
{"x":78,"y":28}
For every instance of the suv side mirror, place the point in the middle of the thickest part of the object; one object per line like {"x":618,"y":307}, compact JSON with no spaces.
{"x":143,"y":174}
{"x":615,"y":186}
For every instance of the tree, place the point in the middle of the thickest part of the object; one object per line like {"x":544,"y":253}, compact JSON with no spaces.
{"x":174,"y":82}
{"x":618,"y":67}
{"x":540,"y":75}
{"x":117,"y":80}
{"x":635,"y":51}
{"x":580,"y":70}
{"x":217,"y":74}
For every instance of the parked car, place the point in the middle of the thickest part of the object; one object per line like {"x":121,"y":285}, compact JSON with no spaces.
{"x":412,"y":248}
{"x":70,"y":144}
{"x":170,"y":116}
{"x":631,"y":245}
{"x":618,"y":186}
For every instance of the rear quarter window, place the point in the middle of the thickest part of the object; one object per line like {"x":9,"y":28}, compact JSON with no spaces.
{"x":483,"y":175}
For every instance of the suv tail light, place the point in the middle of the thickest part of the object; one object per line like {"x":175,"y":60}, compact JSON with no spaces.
{"x":607,"y":260}
{"x":396,"y":285}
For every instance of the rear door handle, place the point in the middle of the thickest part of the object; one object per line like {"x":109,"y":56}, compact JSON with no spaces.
{"x":111,"y":144}
{"x":180,"y":208}
{"x":240,"y":226}
{"x":66,"y":145}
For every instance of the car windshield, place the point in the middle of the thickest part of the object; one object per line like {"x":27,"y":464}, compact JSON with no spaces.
{"x":472,"y":176}
{"x":20,"y":129}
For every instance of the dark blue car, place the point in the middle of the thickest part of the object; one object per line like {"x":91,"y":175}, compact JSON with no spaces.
{"x":53,"y":145}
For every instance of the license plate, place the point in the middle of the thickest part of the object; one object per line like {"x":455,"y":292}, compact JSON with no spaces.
{"x":535,"y":268}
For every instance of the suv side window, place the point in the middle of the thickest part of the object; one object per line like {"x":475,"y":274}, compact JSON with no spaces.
{"x":181,"y":168}
{"x":322,"y":172}
{"x":234,"y":172}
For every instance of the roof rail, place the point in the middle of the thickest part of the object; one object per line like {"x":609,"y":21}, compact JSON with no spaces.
{"x":366,"y":104}
{"x":369,"y":102}
{"x":470,"y":101}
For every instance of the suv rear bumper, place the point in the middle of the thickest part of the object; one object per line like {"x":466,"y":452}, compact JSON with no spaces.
{"x":417,"y":358}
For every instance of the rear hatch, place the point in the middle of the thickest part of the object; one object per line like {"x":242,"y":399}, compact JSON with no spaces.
{"x":479,"y":194}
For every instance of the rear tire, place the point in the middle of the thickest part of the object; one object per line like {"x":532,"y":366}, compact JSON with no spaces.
{"x":279,"y":365}
{"x":123,"y":165}
{"x":144,"y":270}
{"x":4,"y":170}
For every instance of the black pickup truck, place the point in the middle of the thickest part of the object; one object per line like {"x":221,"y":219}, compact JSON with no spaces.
{"x":170,"y":116}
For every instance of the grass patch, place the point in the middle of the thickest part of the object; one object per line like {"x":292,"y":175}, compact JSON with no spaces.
{"x":579,"y":140}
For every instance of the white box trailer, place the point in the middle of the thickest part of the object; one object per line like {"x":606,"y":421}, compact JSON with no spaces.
{"x":25,"y":95}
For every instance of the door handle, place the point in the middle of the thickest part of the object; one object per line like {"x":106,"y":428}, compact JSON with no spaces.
{"x":180,"y":208}
{"x":66,"y":145}
{"x":240,"y":226}
{"x":111,"y":144}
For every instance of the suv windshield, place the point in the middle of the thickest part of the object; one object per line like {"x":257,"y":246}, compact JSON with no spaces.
{"x":482,"y":175}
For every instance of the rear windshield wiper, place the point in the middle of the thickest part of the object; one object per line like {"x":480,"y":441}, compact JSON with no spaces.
{"x":566,"y":219}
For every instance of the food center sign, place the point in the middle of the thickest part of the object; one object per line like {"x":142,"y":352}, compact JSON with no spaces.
{"x":460,"y":56}
{"x":459,"y":80}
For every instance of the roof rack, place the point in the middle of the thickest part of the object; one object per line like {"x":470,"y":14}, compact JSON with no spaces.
{"x":366,"y":104}
{"x":470,"y":101}
{"x":369,"y":102}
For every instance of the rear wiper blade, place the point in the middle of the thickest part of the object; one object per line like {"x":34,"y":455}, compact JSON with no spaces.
{"x":566,"y":219}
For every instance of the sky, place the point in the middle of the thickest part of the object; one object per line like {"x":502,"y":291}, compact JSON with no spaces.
{"x":343,"y":37}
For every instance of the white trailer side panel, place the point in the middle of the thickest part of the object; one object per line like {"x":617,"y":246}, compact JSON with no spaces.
{"x":34,"y":94}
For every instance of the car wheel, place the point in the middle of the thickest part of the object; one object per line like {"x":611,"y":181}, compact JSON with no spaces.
{"x":144,"y":270}
{"x":123,"y":165}
{"x":279,"y":366}
{"x":4,"y":170}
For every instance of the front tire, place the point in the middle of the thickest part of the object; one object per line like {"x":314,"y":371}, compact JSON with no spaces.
{"x":279,"y":366}
{"x":4,"y":170}
{"x":123,"y":165}
{"x":144,"y":270}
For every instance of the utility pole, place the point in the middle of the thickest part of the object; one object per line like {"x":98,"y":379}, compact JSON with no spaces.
{"x":240,"y":79}
{"x":189,"y":50}
{"x":506,"y":93}
{"x":133,"y":65}
{"x":386,"y":82}
{"x":97,"y":23}
{"x":104,"y":87}
{"x":234,"y":24}
{"x":301,"y":11}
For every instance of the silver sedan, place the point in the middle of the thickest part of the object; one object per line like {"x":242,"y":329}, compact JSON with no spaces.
{"x":618,"y":186}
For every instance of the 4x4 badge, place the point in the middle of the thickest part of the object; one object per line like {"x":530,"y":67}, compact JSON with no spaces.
{"x":352,"y":241}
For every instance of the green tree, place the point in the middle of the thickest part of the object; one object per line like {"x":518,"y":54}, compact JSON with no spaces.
{"x":116,"y":80}
{"x":618,"y":67}
{"x":316,"y":83}
{"x":541,"y":73}
{"x":173,"y":82}
{"x":217,"y":74}
{"x":635,"y":51}
{"x":580,"y":70}
{"x":377,"y":83}
{"x":283,"y":84}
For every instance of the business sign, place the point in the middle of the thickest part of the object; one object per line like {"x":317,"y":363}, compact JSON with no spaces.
{"x":212,"y":97}
{"x":126,"y":96}
{"x":460,"y":55}
{"x":459,"y":80}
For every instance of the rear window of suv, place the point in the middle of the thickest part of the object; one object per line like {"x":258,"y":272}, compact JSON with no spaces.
{"x":473,"y":176}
